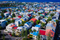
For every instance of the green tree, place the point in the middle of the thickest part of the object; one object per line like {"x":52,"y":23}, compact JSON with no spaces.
{"x":2,"y":14}
{"x":26,"y":33}
{"x":22,"y":33}
{"x":49,"y":19}
{"x":30,"y":30}
{"x":13,"y":34}
{"x":39,"y":13}
{"x":0,"y":27}
{"x":34,"y":30}
{"x":56,"y":21}
{"x":49,"y":37}
{"x":30,"y":36}
{"x":52,"y":14}
{"x":3,"y":11}
{"x":43,"y":24}
{"x":13,"y":20}
{"x":13,"y":15}
{"x":3,"y":37}
{"x":25,"y":38}
{"x":10,"y":10}
{"x":38,"y":37}
{"x":37,"y":22}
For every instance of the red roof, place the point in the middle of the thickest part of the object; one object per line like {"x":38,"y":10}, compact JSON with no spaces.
{"x":29,"y":15}
{"x":19,"y":16}
{"x":49,"y":31}
{"x":30,"y":10}
{"x":33,"y":19}
{"x":42,"y":32}
{"x":14,"y":27}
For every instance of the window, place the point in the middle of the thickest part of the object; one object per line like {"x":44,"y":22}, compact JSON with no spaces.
{"x":0,"y":21}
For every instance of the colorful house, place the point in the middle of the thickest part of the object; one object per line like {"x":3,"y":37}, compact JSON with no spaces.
{"x":28,"y":25}
{"x":34,"y":20}
{"x":35,"y":34}
{"x":3,"y":23}
{"x":17,"y":22}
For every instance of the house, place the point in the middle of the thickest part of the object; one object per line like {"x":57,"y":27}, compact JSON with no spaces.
{"x":43,"y":20}
{"x":41,"y":11}
{"x":33,"y":19}
{"x":37,"y":17}
{"x":10,"y":27}
{"x":35,"y":34}
{"x":19,"y":16}
{"x":42,"y":34}
{"x":18,"y":31}
{"x":50,"y":26}
{"x":28,"y":25}
{"x":41,"y":15}
{"x":6,"y":14}
{"x":3,"y":23}
{"x":58,"y":9}
{"x":50,"y":32}
{"x":17,"y":22}
{"x":35,"y":28}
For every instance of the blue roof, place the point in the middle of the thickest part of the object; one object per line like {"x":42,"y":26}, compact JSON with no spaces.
{"x":34,"y":33}
{"x":28,"y":23}
{"x":37,"y":25}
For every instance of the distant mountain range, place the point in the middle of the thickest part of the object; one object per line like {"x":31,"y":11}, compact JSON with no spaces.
{"x":33,"y":0}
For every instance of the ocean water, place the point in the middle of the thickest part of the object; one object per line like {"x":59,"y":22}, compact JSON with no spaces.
{"x":33,"y":0}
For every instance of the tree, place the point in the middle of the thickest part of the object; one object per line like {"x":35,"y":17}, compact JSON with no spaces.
{"x":39,"y":13}
{"x":38,"y":37}
{"x":49,"y":19}
{"x":30,"y":36}
{"x":2,"y":14}
{"x":30,"y":30}
{"x":34,"y":30}
{"x":13,"y":15}
{"x":52,"y":14}
{"x":43,"y":24}
{"x":13,"y":20}
{"x":10,"y":10}
{"x":22,"y":33}
{"x":13,"y":34}
{"x":26,"y":33}
{"x":3,"y":37}
{"x":3,"y":11}
{"x":56,"y":21}
{"x":37,"y":22}
{"x":0,"y":27}
{"x":49,"y":37}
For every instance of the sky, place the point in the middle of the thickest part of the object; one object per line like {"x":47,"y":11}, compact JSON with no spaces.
{"x":34,"y":0}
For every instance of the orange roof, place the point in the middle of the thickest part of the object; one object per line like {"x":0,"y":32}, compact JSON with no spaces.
{"x":33,"y":19}
{"x":12,"y":25}
{"x":49,"y":31}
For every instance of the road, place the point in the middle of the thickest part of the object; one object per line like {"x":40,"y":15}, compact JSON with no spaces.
{"x":8,"y":37}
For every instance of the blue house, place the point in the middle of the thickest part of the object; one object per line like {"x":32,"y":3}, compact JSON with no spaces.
{"x":28,"y":25}
{"x":3,"y":23}
{"x":38,"y":26}
{"x":35,"y":34}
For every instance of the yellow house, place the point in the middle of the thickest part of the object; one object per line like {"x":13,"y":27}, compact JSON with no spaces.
{"x":22,"y":19}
